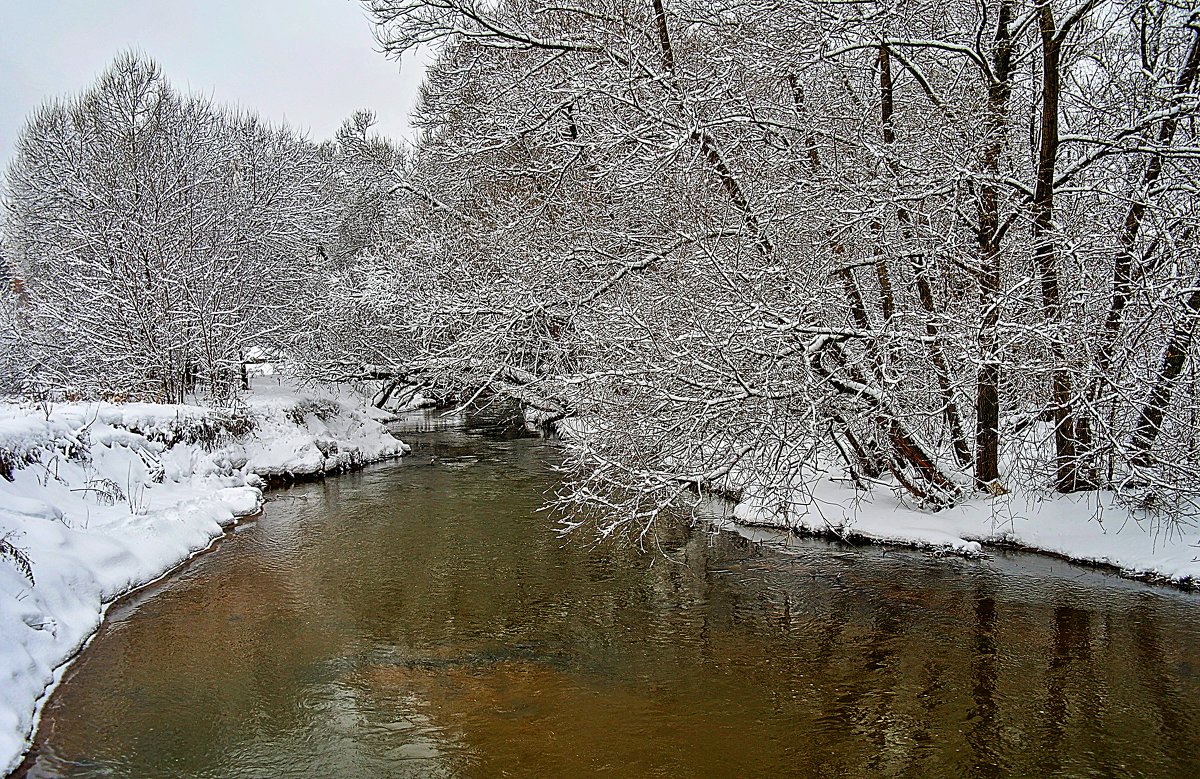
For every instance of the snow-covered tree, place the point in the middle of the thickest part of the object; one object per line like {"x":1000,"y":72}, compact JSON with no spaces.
{"x":158,"y":234}
{"x":949,"y":246}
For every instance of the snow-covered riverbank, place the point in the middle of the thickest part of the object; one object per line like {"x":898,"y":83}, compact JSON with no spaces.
{"x":97,"y":499}
{"x":1086,"y":527}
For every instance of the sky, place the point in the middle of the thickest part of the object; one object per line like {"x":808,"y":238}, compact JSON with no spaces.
{"x":308,"y":62}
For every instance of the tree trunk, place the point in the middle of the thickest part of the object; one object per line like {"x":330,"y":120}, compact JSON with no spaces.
{"x":1122,"y":284}
{"x":887,"y":300}
{"x":987,"y":394}
{"x":941,"y":369}
{"x":1150,"y":420}
{"x":1066,"y":472}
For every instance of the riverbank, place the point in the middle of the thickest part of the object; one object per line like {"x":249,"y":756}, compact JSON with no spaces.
{"x":97,"y":499}
{"x":1090,"y":527}
{"x":1086,"y":527}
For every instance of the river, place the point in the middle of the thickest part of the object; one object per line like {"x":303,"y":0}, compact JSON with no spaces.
{"x":421,"y":619}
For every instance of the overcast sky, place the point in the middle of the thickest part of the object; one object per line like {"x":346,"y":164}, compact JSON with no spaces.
{"x":311,"y":62}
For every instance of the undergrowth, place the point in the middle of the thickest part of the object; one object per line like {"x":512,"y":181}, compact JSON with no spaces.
{"x":18,"y":557}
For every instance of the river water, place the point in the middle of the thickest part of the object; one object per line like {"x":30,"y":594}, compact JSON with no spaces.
{"x":422,"y":619}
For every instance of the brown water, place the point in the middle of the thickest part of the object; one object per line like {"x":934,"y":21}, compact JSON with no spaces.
{"x":419,"y":620}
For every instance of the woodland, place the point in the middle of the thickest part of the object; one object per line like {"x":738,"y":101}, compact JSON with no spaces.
{"x":948,"y":250}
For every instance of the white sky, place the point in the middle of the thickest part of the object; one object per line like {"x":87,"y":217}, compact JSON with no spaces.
{"x":309,"y":62}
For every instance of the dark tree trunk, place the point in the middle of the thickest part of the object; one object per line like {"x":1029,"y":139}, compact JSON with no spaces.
{"x":1123,"y":268}
{"x":962,"y":452}
{"x":708,"y":144}
{"x":987,"y":394}
{"x":1150,"y":419}
{"x":1066,"y":455}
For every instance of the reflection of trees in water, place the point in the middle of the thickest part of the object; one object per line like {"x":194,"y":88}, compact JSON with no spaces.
{"x":981,"y":717}
{"x":1070,"y":638}
{"x":1172,"y":712}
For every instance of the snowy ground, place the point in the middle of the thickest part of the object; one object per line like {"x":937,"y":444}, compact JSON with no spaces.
{"x":1085,"y":527}
{"x":102,"y":498}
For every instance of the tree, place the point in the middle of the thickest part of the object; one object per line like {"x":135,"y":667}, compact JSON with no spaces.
{"x":158,"y":234}
{"x":749,"y":241}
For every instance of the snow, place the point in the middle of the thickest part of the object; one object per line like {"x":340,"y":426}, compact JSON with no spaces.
{"x":1088,"y":527}
{"x":106,"y":497}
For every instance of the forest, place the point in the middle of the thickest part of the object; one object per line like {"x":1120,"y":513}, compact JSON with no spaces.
{"x":947,"y":250}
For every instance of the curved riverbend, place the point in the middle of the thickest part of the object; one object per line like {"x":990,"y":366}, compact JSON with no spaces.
{"x":421,"y":620}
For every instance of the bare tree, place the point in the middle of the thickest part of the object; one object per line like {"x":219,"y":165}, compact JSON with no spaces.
{"x":158,"y":234}
{"x":752,"y":244}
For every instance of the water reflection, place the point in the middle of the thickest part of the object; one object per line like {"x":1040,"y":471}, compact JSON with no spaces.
{"x":421,"y":620}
